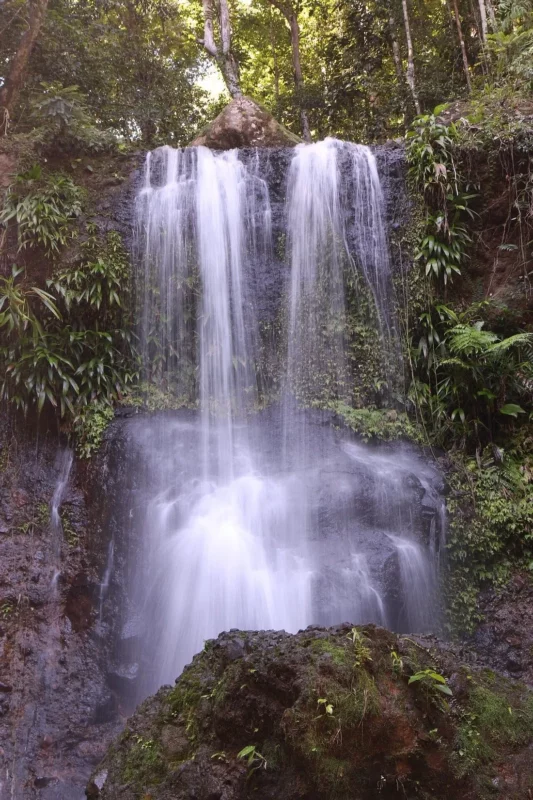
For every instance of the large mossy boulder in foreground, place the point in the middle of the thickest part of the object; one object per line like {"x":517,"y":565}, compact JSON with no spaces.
{"x":244,"y":123}
{"x":327,"y":713}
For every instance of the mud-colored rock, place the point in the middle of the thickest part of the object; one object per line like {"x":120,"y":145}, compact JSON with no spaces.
{"x":505,"y":637}
{"x":326,"y":713}
{"x":244,"y":123}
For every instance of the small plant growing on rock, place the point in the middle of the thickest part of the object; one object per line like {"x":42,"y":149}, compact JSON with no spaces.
{"x":327,"y":706}
{"x":397,"y":662}
{"x":431,"y":680}
{"x":254,"y":758}
{"x":361,"y":650}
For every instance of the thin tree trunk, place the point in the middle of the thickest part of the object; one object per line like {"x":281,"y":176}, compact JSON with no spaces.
{"x":10,"y":90}
{"x":410,"y":73}
{"x":492,"y":15}
{"x":396,"y":50}
{"x":484,"y":34}
{"x":230,"y":66}
{"x":462,"y":43}
{"x":223,"y":57}
{"x":274,"y":64}
{"x":292,"y":18}
{"x":298,"y":78}
{"x":483,"y":18}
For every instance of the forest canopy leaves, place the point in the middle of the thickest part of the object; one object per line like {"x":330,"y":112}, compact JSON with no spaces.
{"x":143,"y":73}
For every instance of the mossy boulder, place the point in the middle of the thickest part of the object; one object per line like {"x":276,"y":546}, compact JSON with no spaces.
{"x":245,"y":123}
{"x":326,"y":713}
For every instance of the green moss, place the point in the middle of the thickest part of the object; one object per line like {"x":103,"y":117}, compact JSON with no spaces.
{"x":69,"y":531}
{"x":384,"y":424}
{"x":332,"y":775}
{"x":144,"y":765}
{"x":321,"y":646}
{"x":152,"y":397}
{"x":183,"y":700}
{"x":4,"y":458}
{"x":352,"y":706}
{"x":90,"y":426}
{"x":497,"y":717}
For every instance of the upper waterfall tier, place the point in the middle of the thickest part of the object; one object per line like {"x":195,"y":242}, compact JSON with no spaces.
{"x":256,"y":247}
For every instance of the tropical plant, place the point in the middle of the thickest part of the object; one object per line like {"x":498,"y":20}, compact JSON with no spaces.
{"x":511,"y":44}
{"x":43,"y":208}
{"x":432,"y":680}
{"x":253,"y":758}
{"x":62,"y":112}
{"x":491,"y":524}
{"x":433,"y":168}
{"x":474,"y":378}
{"x":70,"y":347}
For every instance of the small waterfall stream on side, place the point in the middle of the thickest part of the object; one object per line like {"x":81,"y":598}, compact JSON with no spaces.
{"x":267,"y":519}
{"x":65,"y":461}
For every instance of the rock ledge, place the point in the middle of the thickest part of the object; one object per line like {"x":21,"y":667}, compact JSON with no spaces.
{"x":244,"y":123}
{"x":326,"y":713}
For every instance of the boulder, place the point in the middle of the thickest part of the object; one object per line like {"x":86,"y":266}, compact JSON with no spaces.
{"x":244,"y":123}
{"x":326,"y":713}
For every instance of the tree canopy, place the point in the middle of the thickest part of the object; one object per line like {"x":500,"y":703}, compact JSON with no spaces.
{"x":358,"y":69}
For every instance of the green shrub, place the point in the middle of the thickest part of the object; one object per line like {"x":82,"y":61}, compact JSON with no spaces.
{"x":490,"y":530}
{"x":71,"y":347}
{"x":43,"y":207}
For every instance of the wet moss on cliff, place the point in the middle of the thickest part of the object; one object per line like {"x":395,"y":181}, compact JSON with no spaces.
{"x":343,"y":712}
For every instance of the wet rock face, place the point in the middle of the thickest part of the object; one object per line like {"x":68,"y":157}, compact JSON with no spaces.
{"x":244,"y":123}
{"x":325,"y":713}
{"x":59,"y":708}
{"x":505,"y":637}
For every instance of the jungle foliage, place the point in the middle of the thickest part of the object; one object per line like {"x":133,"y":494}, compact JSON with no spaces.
{"x":67,"y":347}
{"x":136,"y":68}
{"x":466,"y":380}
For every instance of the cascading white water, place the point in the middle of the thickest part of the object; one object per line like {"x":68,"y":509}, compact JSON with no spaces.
{"x":214,"y":541}
{"x":251,"y":522}
{"x":65,"y":459}
{"x":335,"y":228}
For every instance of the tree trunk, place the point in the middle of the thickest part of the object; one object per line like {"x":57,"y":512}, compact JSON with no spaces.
{"x":483,"y":18}
{"x":410,"y":73}
{"x":484,"y":33}
{"x":292,"y":18}
{"x":274,"y":65}
{"x":462,"y":43}
{"x":230,"y":68}
{"x":10,"y":90}
{"x":492,"y":15}
{"x":396,"y":50}
{"x":223,"y":56}
{"x":298,"y":78}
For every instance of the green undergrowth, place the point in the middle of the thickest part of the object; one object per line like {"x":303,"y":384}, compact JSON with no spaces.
{"x":144,"y":764}
{"x":498,"y":716}
{"x":152,"y":397}
{"x":376,"y":423}
{"x":490,"y":531}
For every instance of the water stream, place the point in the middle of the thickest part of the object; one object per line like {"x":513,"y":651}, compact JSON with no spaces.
{"x":65,"y":460}
{"x":268,"y":518}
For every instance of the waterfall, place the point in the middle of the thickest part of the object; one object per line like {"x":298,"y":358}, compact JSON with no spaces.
{"x":267,"y":518}
{"x":335,"y":229}
{"x":213,"y":541}
{"x":65,"y":460}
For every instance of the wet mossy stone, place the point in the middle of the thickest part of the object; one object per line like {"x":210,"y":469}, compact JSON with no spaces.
{"x":326,"y":713}
{"x":245,"y":123}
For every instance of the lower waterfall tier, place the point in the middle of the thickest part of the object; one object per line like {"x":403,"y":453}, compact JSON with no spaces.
{"x":333,"y":530}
